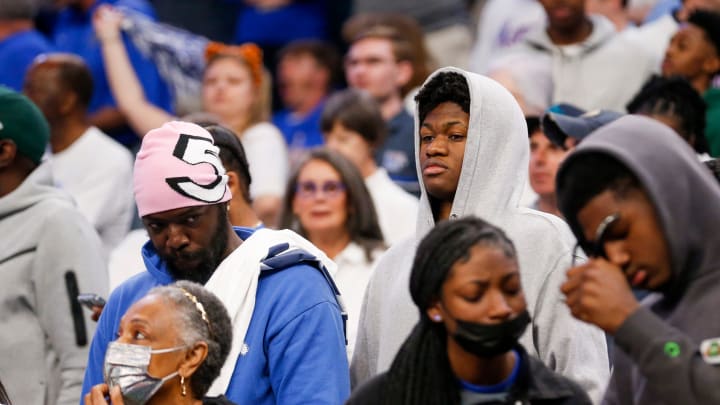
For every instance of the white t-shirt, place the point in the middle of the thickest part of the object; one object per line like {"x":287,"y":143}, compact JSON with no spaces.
{"x":353,"y":274}
{"x":396,"y":209}
{"x":267,"y":157}
{"x":126,"y":259}
{"x":97,"y":172}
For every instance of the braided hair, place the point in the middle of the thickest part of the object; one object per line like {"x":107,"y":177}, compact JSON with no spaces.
{"x":421,"y":372}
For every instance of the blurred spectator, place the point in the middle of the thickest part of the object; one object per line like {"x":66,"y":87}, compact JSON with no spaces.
{"x":694,"y":53}
{"x":646,"y":212}
{"x":592,"y":66}
{"x":50,"y":253}
{"x":20,"y":43}
{"x":183,"y":318}
{"x":326,"y":201}
{"x":306,"y":73}
{"x":445,"y":24}
{"x":272,"y":24}
{"x":73,"y":32}
{"x":675,"y":103}
{"x":380,"y":61}
{"x":353,"y":126}
{"x":502,"y":24}
{"x":235,"y":89}
{"x":94,"y":169}
{"x":545,"y":159}
{"x":411,"y":31}
{"x":654,"y":36}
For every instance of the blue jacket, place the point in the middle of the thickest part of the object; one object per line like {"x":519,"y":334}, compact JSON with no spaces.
{"x":295,"y":338}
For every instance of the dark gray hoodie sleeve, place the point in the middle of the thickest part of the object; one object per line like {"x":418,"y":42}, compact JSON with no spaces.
{"x":668,"y":359}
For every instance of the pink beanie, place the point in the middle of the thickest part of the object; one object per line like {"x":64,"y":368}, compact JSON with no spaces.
{"x":178,"y":166}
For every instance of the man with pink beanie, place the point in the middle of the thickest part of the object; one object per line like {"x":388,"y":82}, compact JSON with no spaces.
{"x":288,"y":328}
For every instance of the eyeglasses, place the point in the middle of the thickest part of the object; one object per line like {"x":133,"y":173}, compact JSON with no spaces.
{"x":596,"y":247}
{"x":309,"y":189}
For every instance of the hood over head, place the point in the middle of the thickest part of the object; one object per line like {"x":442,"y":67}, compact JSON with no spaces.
{"x":685,"y":195}
{"x":495,"y":164}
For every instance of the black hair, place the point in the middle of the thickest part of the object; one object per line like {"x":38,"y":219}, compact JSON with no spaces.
{"x":587,"y":176}
{"x":443,"y":87}
{"x":709,"y":22}
{"x":215,"y":329}
{"x":232,"y":155}
{"x":362,"y":223}
{"x":533,"y":124}
{"x":674,"y":97}
{"x":357,"y":111}
{"x":421,"y":371}
{"x":324,"y":53}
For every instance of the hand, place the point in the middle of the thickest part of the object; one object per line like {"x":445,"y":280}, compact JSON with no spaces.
{"x":96,"y":312}
{"x":598,"y":293}
{"x":107,"y":21}
{"x":99,"y":393}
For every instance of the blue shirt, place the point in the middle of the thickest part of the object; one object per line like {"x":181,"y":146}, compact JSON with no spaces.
{"x":295,"y":341}
{"x":17,"y":53}
{"x":397,"y":153}
{"x":279,"y":26}
{"x":300,"y":132}
{"x":74,"y":33}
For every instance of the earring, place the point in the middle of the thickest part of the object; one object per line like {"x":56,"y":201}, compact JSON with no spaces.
{"x":437,"y":318}
{"x":182,"y":384}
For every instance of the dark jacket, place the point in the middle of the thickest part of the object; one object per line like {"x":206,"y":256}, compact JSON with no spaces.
{"x":220,"y":400}
{"x":535,"y":385}
{"x":660,"y":361}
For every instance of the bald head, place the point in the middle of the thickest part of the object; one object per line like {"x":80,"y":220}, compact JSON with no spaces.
{"x":60,"y":84}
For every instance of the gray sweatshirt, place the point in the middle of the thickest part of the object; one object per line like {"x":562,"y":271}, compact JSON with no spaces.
{"x":494,"y":172}
{"x":659,"y":361}
{"x":42,"y":237}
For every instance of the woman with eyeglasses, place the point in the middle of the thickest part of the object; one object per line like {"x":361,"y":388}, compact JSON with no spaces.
{"x":171,"y":345}
{"x":465,"y":349}
{"x":326,"y":201}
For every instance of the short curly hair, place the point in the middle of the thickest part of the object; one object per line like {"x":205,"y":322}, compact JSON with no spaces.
{"x":443,"y":87}
{"x":216,"y":331}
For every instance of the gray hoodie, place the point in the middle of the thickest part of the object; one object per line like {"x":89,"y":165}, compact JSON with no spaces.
{"x":687,"y":200}
{"x":494,"y":171}
{"x":602,"y":72}
{"x":43,"y":236}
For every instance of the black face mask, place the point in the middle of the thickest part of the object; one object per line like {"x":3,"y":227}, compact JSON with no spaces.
{"x":490,"y":340}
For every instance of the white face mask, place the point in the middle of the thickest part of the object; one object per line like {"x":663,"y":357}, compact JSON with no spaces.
{"x":126,"y":367}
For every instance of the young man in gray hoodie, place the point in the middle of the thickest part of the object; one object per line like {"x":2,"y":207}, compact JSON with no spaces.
{"x":646,"y":211}
{"x":48,"y":254}
{"x":472,"y":152}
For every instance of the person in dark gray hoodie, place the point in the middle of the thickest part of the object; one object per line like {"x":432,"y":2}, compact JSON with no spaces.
{"x":647,"y":212}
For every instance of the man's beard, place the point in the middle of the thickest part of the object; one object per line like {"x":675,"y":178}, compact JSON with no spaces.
{"x":209,"y":258}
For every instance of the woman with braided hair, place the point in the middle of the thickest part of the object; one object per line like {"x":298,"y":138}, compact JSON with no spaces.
{"x":170,"y":347}
{"x":465,"y":282}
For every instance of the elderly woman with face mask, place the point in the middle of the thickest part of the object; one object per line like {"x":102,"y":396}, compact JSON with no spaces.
{"x":171,"y":345}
